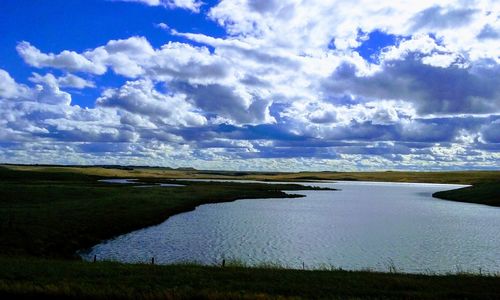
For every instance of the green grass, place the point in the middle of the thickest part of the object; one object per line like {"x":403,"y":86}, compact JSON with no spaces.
{"x":105,"y":280}
{"x":487,"y":193}
{"x":459,"y":177}
{"x":47,"y":214}
{"x":56,"y":214}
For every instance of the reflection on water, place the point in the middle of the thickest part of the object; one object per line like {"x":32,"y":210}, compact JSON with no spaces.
{"x":134,"y":181}
{"x":364,"y":225}
{"x":119,"y":181}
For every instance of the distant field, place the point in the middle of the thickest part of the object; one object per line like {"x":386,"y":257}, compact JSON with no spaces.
{"x":487,"y":183}
{"x":459,"y":177}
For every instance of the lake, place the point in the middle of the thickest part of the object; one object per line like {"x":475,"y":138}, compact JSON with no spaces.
{"x":364,"y":225}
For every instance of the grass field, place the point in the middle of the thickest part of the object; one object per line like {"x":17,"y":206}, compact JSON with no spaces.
{"x":47,"y":214}
{"x":41,"y":278}
{"x":459,"y":177}
{"x":54,"y":214}
{"x":485,"y":191}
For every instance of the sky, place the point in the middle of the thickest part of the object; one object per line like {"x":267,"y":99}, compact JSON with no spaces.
{"x":288,"y":85}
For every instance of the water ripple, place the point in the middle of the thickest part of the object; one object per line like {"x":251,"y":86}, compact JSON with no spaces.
{"x":365,"y":225}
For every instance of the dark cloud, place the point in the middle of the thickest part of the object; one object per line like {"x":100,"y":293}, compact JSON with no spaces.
{"x":437,"y":17}
{"x":190,"y":70}
{"x":89,"y":134}
{"x":263,"y":6}
{"x":434,"y":90}
{"x":491,"y":132}
{"x":141,"y":98}
{"x":224,"y":101}
{"x":490,"y":147}
{"x":252,"y":80}
{"x":292,"y":152}
{"x":488,"y":32}
{"x":272,"y":132}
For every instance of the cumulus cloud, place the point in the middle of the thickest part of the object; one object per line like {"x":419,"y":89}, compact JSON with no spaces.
{"x":375,"y":112}
{"x":44,"y":112}
{"x":489,"y":32}
{"x":437,"y":17}
{"x":66,"y":81}
{"x":433,"y":89}
{"x":204,"y":78}
{"x":490,"y":133}
{"x":162,"y":26}
{"x":66,"y":60}
{"x":73,"y":81}
{"x":227,"y":103}
{"x":8,"y":86}
{"x":140,"y":97}
{"x":314,"y":24}
{"x":47,"y":90}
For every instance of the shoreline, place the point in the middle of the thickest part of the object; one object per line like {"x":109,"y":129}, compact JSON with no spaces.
{"x":88,"y":254}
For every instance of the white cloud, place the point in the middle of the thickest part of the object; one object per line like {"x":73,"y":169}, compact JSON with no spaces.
{"x":322,"y":114}
{"x":192,"y":5}
{"x":310,"y":26}
{"x":73,"y":81}
{"x":9,"y":88}
{"x":162,"y":26}
{"x":68,"y":80}
{"x":66,"y":60}
{"x":47,"y":90}
{"x":140,"y":97}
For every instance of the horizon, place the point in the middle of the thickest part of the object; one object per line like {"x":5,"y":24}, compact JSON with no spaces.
{"x":188,"y":168}
{"x":251,"y":85}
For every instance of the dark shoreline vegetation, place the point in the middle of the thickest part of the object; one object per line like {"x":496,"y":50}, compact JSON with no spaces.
{"x":56,"y":214}
{"x":48,"y":213}
{"x":487,"y":193}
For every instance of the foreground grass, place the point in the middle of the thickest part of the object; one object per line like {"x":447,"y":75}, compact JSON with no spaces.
{"x":40,"y":278}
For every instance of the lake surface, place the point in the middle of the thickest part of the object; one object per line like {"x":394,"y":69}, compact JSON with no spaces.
{"x":140,"y":184}
{"x":365,"y":225}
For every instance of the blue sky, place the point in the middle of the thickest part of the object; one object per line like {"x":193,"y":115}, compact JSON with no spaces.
{"x":251,"y":84}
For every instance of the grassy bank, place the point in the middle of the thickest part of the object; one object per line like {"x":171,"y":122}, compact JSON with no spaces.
{"x":54,"y":214}
{"x":487,"y":193}
{"x":41,"y":278}
{"x":485,"y":190}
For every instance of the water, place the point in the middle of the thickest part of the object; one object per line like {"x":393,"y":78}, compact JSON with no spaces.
{"x":119,"y":181}
{"x":135,"y":181}
{"x":366,"y":225}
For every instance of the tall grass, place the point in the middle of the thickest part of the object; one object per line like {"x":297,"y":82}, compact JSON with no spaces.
{"x":108,"y":280}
